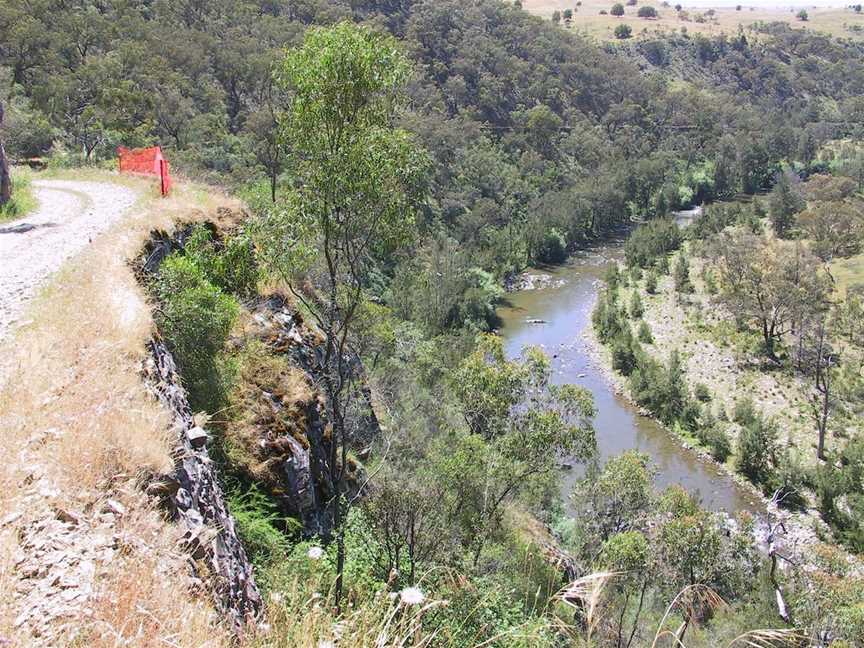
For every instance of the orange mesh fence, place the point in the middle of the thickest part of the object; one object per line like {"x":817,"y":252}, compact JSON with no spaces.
{"x":148,"y":161}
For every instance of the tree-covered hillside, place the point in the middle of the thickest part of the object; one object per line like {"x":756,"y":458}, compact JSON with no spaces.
{"x":539,"y":137}
{"x":394,"y":475}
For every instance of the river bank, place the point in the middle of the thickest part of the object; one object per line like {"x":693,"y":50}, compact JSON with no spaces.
{"x":714,"y":365}
{"x":555,"y":318}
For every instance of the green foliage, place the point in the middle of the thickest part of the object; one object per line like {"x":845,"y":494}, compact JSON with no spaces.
{"x":228,"y":264}
{"x":626,"y":352}
{"x":627,"y":551}
{"x":644,"y":334}
{"x":756,"y":452}
{"x":702,"y":393}
{"x":553,"y":248}
{"x":22,"y":202}
{"x":682,"y":275}
{"x":195,"y":317}
{"x":784,"y":203}
{"x":519,"y":424}
{"x":713,"y":435}
{"x":359,"y":179}
{"x":620,"y":497}
{"x":608,"y":319}
{"x":636,"y":308}
{"x":663,"y":392}
{"x":259,"y":526}
{"x":651,"y":283}
{"x":617,"y":9}
{"x":483,"y":613}
{"x":623,"y":31}
{"x":647,"y":11}
{"x":652,"y":242}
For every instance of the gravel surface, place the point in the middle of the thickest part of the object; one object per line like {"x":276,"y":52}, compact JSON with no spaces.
{"x":70,"y":215}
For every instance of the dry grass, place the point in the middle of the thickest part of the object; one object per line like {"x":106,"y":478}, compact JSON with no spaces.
{"x":587,"y":18}
{"x":72,"y":403}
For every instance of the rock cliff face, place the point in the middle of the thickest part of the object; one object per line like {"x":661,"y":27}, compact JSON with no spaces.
{"x":285,"y":432}
{"x":195,"y":499}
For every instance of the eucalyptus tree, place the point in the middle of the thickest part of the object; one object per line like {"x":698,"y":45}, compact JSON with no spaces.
{"x":358,"y":181}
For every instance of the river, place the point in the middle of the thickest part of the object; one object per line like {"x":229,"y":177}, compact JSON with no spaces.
{"x":566,"y":312}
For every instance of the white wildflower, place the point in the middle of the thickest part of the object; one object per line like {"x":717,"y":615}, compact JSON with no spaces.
{"x":326,"y":644}
{"x":315,"y":553}
{"x":276,"y":597}
{"x":412,"y":596}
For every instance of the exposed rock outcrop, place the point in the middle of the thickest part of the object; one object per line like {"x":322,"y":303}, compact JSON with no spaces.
{"x":196,"y":501}
{"x":283,"y":435}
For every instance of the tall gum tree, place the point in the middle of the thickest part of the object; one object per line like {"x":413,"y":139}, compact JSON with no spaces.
{"x":358,"y":182}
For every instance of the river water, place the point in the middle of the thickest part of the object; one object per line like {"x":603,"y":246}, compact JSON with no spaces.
{"x":566,"y":312}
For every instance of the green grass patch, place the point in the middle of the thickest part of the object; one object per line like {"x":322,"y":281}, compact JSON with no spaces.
{"x":847,"y":272}
{"x":23,"y":200}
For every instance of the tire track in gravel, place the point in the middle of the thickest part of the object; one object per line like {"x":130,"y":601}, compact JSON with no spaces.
{"x":70,"y":215}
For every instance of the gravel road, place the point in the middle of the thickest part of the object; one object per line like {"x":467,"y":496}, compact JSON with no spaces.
{"x":70,"y":215}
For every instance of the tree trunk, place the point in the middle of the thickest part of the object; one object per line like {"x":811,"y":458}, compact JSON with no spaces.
{"x":5,"y":178}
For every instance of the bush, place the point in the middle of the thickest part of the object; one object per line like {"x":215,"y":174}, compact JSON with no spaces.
{"x":652,"y":242}
{"x":553,"y":248}
{"x":789,"y":481}
{"x":757,"y":444}
{"x":228,"y":264}
{"x":617,"y":9}
{"x":651,"y":283}
{"x":623,"y":32}
{"x":608,"y":321}
{"x":662,"y":391}
{"x":22,"y":201}
{"x":644,"y":334}
{"x":682,"y":275}
{"x":712,"y":434}
{"x":702,"y":393}
{"x":258,"y":522}
{"x":612,"y":277}
{"x":195,"y":317}
{"x":625,"y":353}
{"x":636,"y":307}
{"x":647,"y":12}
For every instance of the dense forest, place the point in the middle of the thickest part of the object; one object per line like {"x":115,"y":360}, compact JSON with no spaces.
{"x":475,"y":140}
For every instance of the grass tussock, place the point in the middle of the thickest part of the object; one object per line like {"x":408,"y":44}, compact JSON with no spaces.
{"x":23,"y":202}
{"x":72,"y":401}
{"x":254,"y":418}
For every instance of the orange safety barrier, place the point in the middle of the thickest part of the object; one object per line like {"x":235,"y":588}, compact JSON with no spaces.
{"x":149,"y":161}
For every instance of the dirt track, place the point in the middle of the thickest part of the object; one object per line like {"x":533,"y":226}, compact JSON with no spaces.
{"x":70,"y":215}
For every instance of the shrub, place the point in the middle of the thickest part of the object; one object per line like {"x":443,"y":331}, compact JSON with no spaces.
{"x":553,"y":248}
{"x":228,"y":264}
{"x":712,"y":434}
{"x":195,"y":317}
{"x":702,"y":393}
{"x":257,"y":520}
{"x":789,"y":481}
{"x":662,"y":390}
{"x":606,"y":318}
{"x":651,"y":283}
{"x":652,"y":242}
{"x":757,"y":444}
{"x":644,"y":334}
{"x":617,"y":9}
{"x":623,"y":32}
{"x":625,"y":351}
{"x":682,"y":275}
{"x":636,"y":307}
{"x":612,"y":277}
{"x":647,"y":12}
